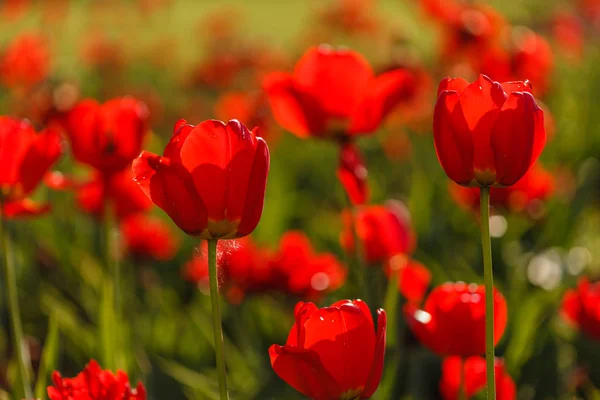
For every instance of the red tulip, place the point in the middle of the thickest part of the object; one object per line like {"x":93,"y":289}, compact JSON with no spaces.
{"x":24,"y":159}
{"x":146,"y":236}
{"x":413,"y":277}
{"x":117,"y":191}
{"x":334,"y":93}
{"x":581,"y":307}
{"x":474,"y":378}
{"x":107,"y":136}
{"x":93,"y":383}
{"x":452,"y":322}
{"x":536,"y":186}
{"x":352,"y":173}
{"x":307,"y":274}
{"x":333,"y":353}
{"x":487,"y":133}
{"x":211,"y":178}
{"x":25,"y":62}
{"x":350,"y":17}
{"x":384,"y":231}
{"x":568,"y":32}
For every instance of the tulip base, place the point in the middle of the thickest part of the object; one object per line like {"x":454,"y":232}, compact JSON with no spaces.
{"x":488,"y":277}
{"x":216,"y":318}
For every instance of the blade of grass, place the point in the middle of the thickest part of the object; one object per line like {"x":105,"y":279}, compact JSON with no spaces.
{"x":48,"y":360}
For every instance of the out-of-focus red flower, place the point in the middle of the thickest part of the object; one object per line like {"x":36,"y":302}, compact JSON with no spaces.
{"x":529,"y":56}
{"x":333,"y":352}
{"x":93,"y":383}
{"x":536,"y":186}
{"x":352,"y":173}
{"x":349,"y":17}
{"x":25,"y":61}
{"x":474,"y":378}
{"x":567,"y":30}
{"x":107,"y":136}
{"x":384,"y":231}
{"x":24,"y":159}
{"x":487,"y":133}
{"x":99,"y":51}
{"x":251,"y":109}
{"x":441,"y":10}
{"x":413,"y":277}
{"x":117,"y":191}
{"x":580,"y":307}
{"x":452,"y":321}
{"x":306,"y":273}
{"x":211,"y":179}
{"x":14,"y":9}
{"x":146,"y":236}
{"x":334,"y":93}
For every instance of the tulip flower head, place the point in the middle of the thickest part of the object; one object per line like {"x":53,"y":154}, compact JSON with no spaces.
{"x":487,"y":133}
{"x":25,"y":62}
{"x":93,"y":383}
{"x":452,"y":321}
{"x":25,"y":157}
{"x":333,"y":353}
{"x":211,"y":179}
{"x":474,"y":378}
{"x":147,"y":236}
{"x":581,"y":308}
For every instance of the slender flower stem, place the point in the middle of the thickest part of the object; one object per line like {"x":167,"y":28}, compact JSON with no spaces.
{"x":462,"y":393}
{"x":114,"y":268}
{"x":13,"y":303}
{"x":216,"y":316}
{"x":488,"y":277}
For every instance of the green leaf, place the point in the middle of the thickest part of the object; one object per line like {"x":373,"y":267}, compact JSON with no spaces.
{"x":48,"y":360}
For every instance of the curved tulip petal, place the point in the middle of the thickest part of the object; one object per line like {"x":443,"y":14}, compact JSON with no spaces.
{"x":457,"y":85}
{"x":256,"y":187}
{"x":25,"y":208}
{"x":172,"y":190}
{"x":43,"y":152}
{"x":352,"y":173}
{"x":517,"y":86}
{"x":514,"y":137}
{"x":571,"y":306}
{"x":377,"y":365}
{"x":454,"y":147}
{"x":337,"y":79}
{"x":414,"y":281}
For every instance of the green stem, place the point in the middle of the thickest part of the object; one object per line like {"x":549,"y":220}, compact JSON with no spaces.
{"x":15,"y":316}
{"x":462,"y":394}
{"x":488,"y":277}
{"x":216,"y":316}
{"x":114,"y":268}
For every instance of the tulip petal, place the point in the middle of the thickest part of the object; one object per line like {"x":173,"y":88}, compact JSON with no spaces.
{"x":454,"y":147}
{"x":44,"y":150}
{"x":571,"y":307}
{"x":476,"y":113}
{"x":517,"y":86}
{"x":352,"y":173}
{"x":295,"y":112}
{"x":385,"y":92}
{"x":15,"y":138}
{"x":256,"y":187}
{"x":334,"y":333}
{"x":414,"y":281}
{"x":171,"y":189}
{"x":518,"y":137}
{"x":457,"y":85}
{"x":302,"y":370}
{"x":378,"y":358}
{"x":24,"y":208}
{"x":337,"y":79}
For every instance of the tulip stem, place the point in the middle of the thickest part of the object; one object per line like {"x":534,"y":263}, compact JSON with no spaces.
{"x":216,"y":317}
{"x":114,"y":268}
{"x":13,"y":303}
{"x":488,"y":277}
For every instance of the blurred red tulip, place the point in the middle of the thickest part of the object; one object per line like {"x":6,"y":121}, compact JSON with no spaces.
{"x":93,"y":383}
{"x":581,"y":306}
{"x":349,"y":17}
{"x":211,"y":178}
{"x":24,"y":159}
{"x":384,"y":231}
{"x":352,"y":173}
{"x":14,"y":9}
{"x":117,"y":191}
{"x":107,"y":136}
{"x":334,"y":93}
{"x":567,"y":30}
{"x":487,"y":133}
{"x":333,"y":353}
{"x":307,"y":274}
{"x":474,"y":368}
{"x":452,"y":321}
{"x":147,"y":236}
{"x":413,"y":277}
{"x":536,"y":186}
{"x":25,"y":62}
